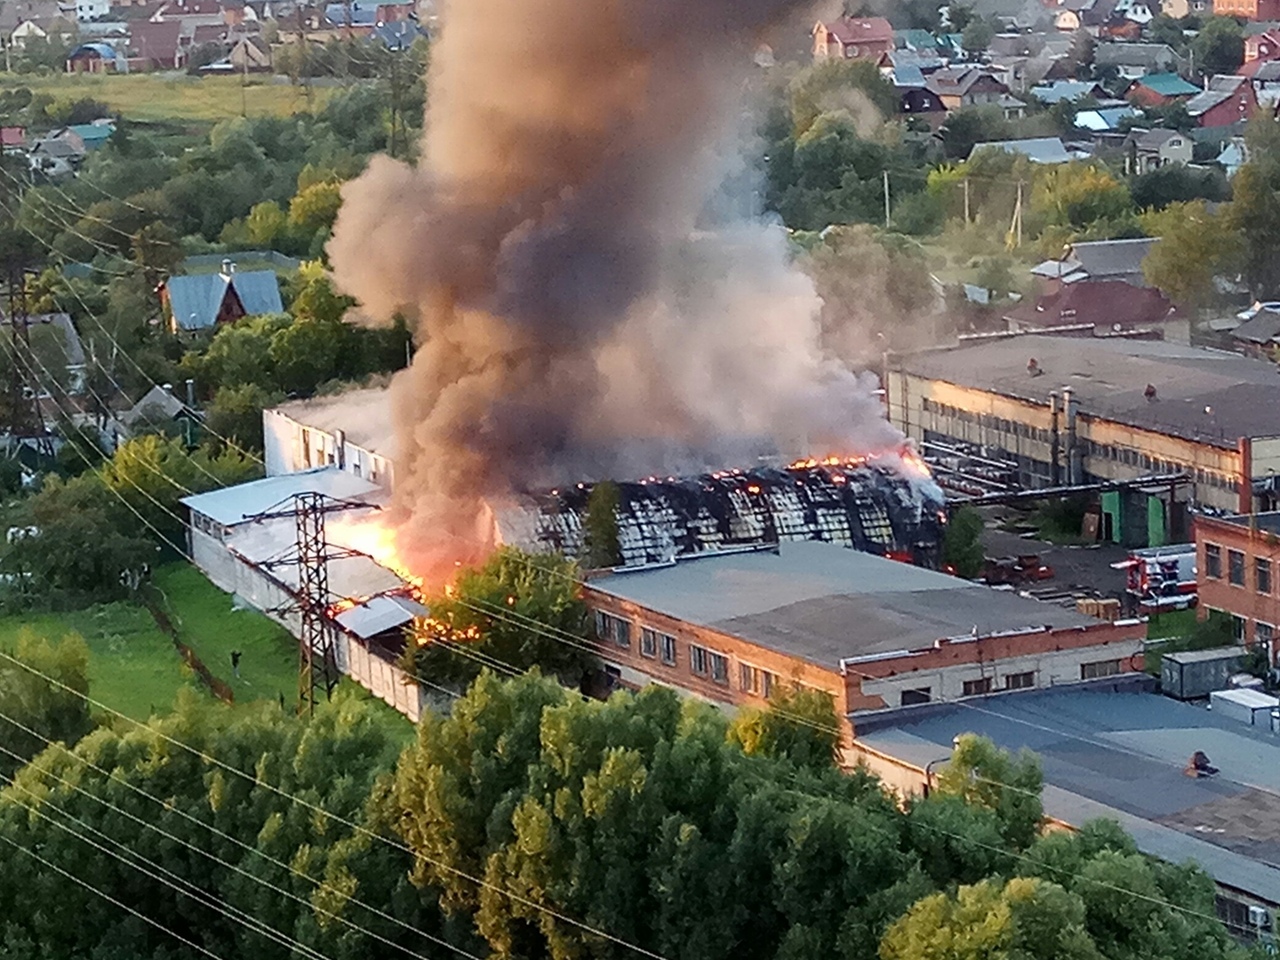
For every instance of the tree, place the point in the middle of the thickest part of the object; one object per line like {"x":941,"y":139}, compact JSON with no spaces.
{"x":521,"y":610}
{"x":1255,"y":209}
{"x":832,"y":86}
{"x":1081,"y":53}
{"x":1177,"y":183}
{"x":600,"y":528}
{"x":1166,"y":29}
{"x":1078,"y":195}
{"x":235,"y":415}
{"x":1009,"y":786}
{"x":1024,"y":918}
{"x":962,"y":543}
{"x":970,"y":125}
{"x":34,"y":710}
{"x":799,"y":725}
{"x":314,"y":209}
{"x":960,"y":15}
{"x":1219,"y":47}
{"x":977,"y":36}
{"x":1196,"y":247}
{"x":82,"y":545}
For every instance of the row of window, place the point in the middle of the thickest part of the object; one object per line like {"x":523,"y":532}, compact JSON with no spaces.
{"x":1100,"y":451}
{"x":1015,"y":427}
{"x":973,"y":688}
{"x":1237,"y":565}
{"x":703,"y":661}
{"x":206,"y":525}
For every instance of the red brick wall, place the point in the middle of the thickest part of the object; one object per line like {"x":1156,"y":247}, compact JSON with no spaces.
{"x":988,"y":650}
{"x":1219,"y":593}
{"x":1239,"y":106}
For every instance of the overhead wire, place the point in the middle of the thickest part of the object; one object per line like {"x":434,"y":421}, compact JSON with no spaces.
{"x":170,"y":807}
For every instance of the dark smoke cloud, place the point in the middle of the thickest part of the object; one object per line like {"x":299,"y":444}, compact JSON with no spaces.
{"x":579,"y":312}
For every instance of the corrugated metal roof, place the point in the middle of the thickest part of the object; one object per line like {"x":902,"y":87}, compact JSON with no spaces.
{"x":233,"y":505}
{"x":195,"y":300}
{"x":259,"y":291}
{"x":1168,"y":85}
{"x":378,"y":615}
{"x":1035,"y":149}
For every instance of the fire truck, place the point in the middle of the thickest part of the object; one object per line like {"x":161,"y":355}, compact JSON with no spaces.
{"x":1161,"y":578}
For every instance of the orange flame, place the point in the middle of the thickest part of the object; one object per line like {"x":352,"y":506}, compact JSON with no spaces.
{"x":373,"y":536}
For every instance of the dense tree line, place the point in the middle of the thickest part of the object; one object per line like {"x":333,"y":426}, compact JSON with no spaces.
{"x":531,"y":822}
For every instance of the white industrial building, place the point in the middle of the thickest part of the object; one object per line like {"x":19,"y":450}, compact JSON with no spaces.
{"x":250,"y":558}
{"x":351,"y":431}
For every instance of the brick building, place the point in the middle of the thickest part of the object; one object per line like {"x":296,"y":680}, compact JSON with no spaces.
{"x":1237,"y":564}
{"x":853,"y":38}
{"x":1247,"y":9}
{"x":875,"y":634}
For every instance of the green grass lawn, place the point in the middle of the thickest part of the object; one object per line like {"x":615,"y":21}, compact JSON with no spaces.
{"x":133,"y":667}
{"x":1172,"y":623}
{"x":208,"y":624}
{"x":170,"y":97}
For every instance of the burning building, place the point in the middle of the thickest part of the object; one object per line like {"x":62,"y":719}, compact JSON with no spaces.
{"x":886,"y":506}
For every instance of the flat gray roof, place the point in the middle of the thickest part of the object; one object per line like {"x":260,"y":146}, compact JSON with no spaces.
{"x":1205,"y":395}
{"x":1270,"y":522}
{"x":823,"y":602}
{"x":232,"y":505}
{"x":364,"y":415}
{"x":1122,"y":755}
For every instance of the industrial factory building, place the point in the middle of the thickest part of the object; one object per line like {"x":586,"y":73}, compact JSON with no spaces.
{"x":1042,"y":411}
{"x":873,"y":505}
{"x":1238,"y":563}
{"x":256,"y":561}
{"x":876,"y":634}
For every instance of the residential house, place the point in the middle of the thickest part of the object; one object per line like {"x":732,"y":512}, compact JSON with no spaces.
{"x":249,"y":54}
{"x":1227,"y":102}
{"x":28,"y":30}
{"x":89,"y":10}
{"x":15,"y":13}
{"x":57,"y":154}
{"x":1259,"y":336}
{"x":1088,"y":15}
{"x":1105,"y":119}
{"x":1036,"y":149}
{"x":1137,"y":12}
{"x":1068,"y":90}
{"x":960,"y":87}
{"x":1182,"y":8}
{"x":98,"y":57}
{"x":1105,"y":306}
{"x":1265,"y":77}
{"x":1247,"y":9}
{"x":853,"y":38}
{"x":13,"y":139}
{"x":1111,"y":259}
{"x":155,"y":45}
{"x":398,"y":35}
{"x":203,"y":301}
{"x":1135,"y":60}
{"x":915,"y":99}
{"x":1149,"y":149}
{"x":94,"y":135}
{"x":1262,"y":46}
{"x":1234,"y":155}
{"x":1159,"y":90}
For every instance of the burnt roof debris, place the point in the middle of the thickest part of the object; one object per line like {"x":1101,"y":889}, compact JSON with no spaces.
{"x":866,"y":506}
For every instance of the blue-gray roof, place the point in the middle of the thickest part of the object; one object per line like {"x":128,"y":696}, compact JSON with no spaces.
{"x":1121,"y":755}
{"x":399,"y":34}
{"x":1061,"y":90}
{"x":1035,"y":149}
{"x":196,"y":300}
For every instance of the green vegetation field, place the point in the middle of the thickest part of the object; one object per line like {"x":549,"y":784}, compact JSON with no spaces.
{"x":172,"y":97}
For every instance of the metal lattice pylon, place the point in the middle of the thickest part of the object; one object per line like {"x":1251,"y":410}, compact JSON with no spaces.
{"x":311,"y":554}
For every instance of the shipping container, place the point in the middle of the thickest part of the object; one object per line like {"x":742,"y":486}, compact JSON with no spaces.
{"x":1190,"y":674}
{"x":1246,"y":706}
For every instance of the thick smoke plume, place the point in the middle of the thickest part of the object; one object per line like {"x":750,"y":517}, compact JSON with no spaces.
{"x":588,"y":301}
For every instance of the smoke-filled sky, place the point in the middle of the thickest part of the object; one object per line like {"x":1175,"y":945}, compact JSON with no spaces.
{"x":584,"y":301}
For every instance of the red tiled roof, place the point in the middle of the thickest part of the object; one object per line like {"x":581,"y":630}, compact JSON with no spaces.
{"x":155,"y":41}
{"x":13,"y":136}
{"x":1105,"y":303}
{"x":850,"y":30}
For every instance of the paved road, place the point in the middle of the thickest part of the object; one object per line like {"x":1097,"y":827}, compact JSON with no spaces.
{"x":1085,"y":567}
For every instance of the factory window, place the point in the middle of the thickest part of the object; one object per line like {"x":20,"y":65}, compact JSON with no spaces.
{"x":976,"y":688}
{"x":748,"y":678}
{"x":668,"y":650}
{"x":1237,"y":628}
{"x":1235,"y":568}
{"x":1262,"y":573}
{"x":919,"y":695}
{"x":1020,"y":681}
{"x":698,"y":660}
{"x":609,"y":627}
{"x":648,"y":643}
{"x":1263,"y":632}
{"x":1213,"y":561}
{"x":1100,"y":668}
{"x":719,"y":667}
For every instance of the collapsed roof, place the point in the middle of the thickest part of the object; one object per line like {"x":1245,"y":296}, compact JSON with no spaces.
{"x":867,"y":506}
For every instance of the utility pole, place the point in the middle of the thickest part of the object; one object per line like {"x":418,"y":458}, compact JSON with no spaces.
{"x":886,"y":199}
{"x":966,"y":201}
{"x":304,"y":58}
{"x":311,"y":554}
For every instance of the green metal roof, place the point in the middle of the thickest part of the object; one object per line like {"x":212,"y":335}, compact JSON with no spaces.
{"x":1168,"y":85}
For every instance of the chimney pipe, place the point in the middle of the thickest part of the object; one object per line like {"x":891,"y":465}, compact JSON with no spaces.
{"x":1074,"y":461}
{"x":228,"y":268}
{"x":1055,"y":442}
